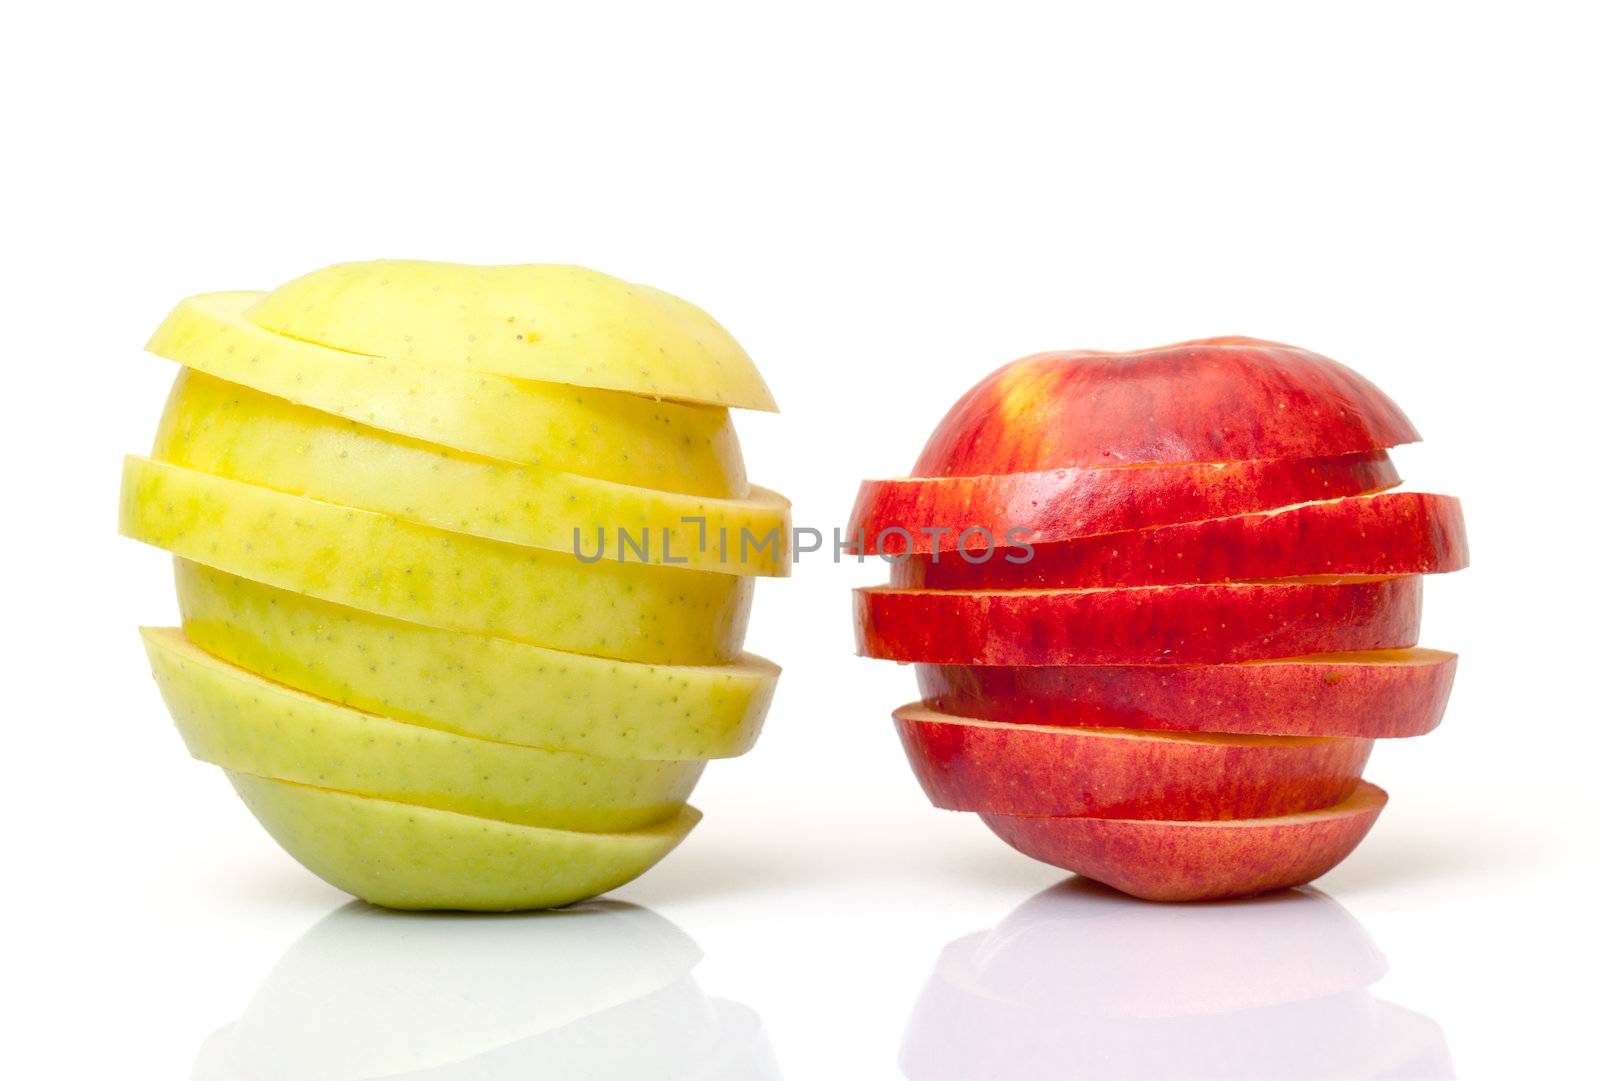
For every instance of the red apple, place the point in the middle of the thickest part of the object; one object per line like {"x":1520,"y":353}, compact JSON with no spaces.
{"x":1375,"y":695}
{"x":1213,"y":623}
{"x":1217,"y":400}
{"x":1193,"y":861}
{"x":1013,"y":769}
{"x":1393,"y":533}
{"x":1063,"y":503}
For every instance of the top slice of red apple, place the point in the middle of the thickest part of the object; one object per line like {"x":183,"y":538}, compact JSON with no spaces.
{"x":1214,"y":400}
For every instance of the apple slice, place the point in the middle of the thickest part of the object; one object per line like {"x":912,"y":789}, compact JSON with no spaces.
{"x":627,"y":611}
{"x":402,"y":856}
{"x":232,"y":431}
{"x":1393,"y":533}
{"x":1213,"y":623}
{"x":243,"y":723}
{"x":564,"y":324}
{"x":672,"y":447}
{"x":1045,"y":507}
{"x":469,"y":683}
{"x":1379,"y":694}
{"x":1197,"y":861}
{"x":1014,"y":769}
{"x":1215,"y":400}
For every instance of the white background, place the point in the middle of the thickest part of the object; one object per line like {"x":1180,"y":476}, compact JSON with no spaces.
{"x":883,"y":202}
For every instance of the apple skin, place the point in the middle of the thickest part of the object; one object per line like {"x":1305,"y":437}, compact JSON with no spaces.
{"x":1382,"y":694}
{"x":992,"y":767}
{"x":1392,"y":533}
{"x":1061,"y":504}
{"x":1214,"y":400}
{"x":1197,"y":861}
{"x":1215,"y":623}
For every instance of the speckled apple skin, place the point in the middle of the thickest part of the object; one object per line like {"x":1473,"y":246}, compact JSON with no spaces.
{"x":1213,"y":623}
{"x":1064,"y":503}
{"x":1377,"y":695}
{"x":1197,"y":861}
{"x":973,"y":766}
{"x":1392,"y":533}
{"x":1214,"y":400}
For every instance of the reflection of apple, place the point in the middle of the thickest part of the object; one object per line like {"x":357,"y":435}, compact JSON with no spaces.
{"x":998,"y":768}
{"x":1184,"y":860}
{"x":600,"y":990}
{"x":1077,"y":982}
{"x":1214,"y":623}
{"x":1380,"y":694}
{"x":462,"y":618}
{"x":1055,"y":505}
{"x":1392,"y":533}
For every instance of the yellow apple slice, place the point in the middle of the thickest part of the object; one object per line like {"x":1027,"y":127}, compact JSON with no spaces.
{"x":565,"y":324}
{"x":596,"y":433}
{"x":232,"y":431}
{"x":469,"y":683}
{"x":627,"y":611}
{"x":237,"y":720}
{"x":403,"y":856}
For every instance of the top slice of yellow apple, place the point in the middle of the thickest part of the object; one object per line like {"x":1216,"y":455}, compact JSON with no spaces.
{"x":561,"y":324}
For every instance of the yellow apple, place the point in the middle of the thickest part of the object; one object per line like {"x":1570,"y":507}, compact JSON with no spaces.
{"x":621,"y":437}
{"x":627,"y":611}
{"x":490,"y":687}
{"x":533,"y":321}
{"x":237,"y":720}
{"x":403,"y":856}
{"x":232,"y":431}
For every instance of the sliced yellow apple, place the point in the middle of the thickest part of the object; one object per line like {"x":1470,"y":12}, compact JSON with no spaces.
{"x":470,"y":683}
{"x":403,"y":856}
{"x":237,"y":720}
{"x":621,"y":437}
{"x":565,"y":324}
{"x":627,"y":611}
{"x":233,"y":431}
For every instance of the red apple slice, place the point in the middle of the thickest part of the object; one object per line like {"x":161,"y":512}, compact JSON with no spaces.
{"x":1013,"y":769}
{"x":1380,"y":694}
{"x":1216,"y":400}
{"x":1212,"y":623}
{"x":1196,"y":861}
{"x":1059,"y":504}
{"x":1393,"y":533}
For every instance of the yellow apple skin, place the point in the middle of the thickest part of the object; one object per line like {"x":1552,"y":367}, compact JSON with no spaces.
{"x":620,"y":437}
{"x":626,"y":611}
{"x":245,"y":724}
{"x":477,"y":685}
{"x":565,"y":324}
{"x":408,"y":857}
{"x":232,"y":431}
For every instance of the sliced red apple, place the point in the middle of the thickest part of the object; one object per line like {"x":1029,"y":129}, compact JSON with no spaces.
{"x":1196,"y":861}
{"x":990,"y":766}
{"x":1042,"y":507}
{"x":1213,"y":623}
{"x":1392,"y":533}
{"x":1215,"y":400}
{"x":1379,"y":694}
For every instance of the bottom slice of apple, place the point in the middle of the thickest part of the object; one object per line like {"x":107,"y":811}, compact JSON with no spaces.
{"x":401,"y":856}
{"x":1013,"y":769}
{"x":1165,"y":860}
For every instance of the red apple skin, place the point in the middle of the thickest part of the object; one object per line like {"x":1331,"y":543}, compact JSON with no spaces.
{"x":1065,"y":503}
{"x":1393,"y":533}
{"x":968,"y":765}
{"x":1215,"y":400}
{"x":1197,"y":861}
{"x":1214,"y":623}
{"x":1382,"y":694}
